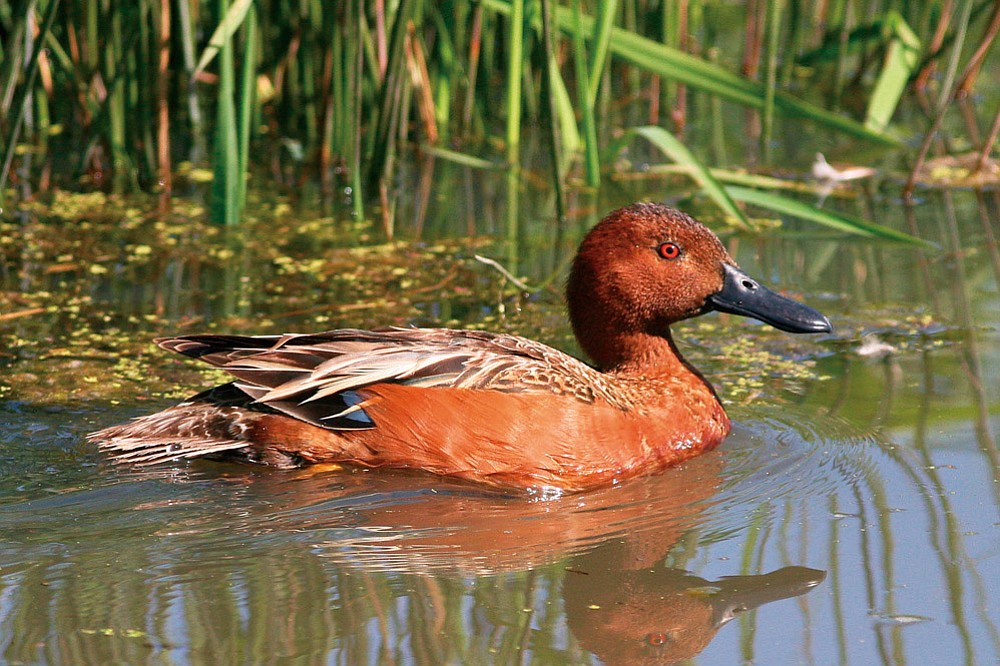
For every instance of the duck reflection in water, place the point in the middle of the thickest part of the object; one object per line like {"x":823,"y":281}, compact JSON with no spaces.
{"x":659,"y":615}
{"x":621,"y":601}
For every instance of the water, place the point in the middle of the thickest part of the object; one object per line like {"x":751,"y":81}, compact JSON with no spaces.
{"x":856,"y":503}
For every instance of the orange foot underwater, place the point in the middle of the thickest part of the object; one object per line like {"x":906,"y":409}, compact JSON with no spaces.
{"x":494,"y":408}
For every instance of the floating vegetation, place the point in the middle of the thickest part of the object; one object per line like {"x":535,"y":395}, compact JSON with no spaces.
{"x":966,"y":171}
{"x":81,"y":322}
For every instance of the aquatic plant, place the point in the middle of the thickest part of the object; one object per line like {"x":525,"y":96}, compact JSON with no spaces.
{"x":115,"y":93}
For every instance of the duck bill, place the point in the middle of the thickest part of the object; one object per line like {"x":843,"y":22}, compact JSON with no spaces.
{"x":738,"y":594}
{"x":742,"y":295}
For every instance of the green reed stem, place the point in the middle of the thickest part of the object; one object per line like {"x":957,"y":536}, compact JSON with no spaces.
{"x":447,"y":72}
{"x":224,"y":208}
{"x":335,"y":129}
{"x":356,"y":85}
{"x":187,"y":29}
{"x":93,"y":50}
{"x":23,"y":96}
{"x":551,"y":72}
{"x":842,"y":9}
{"x":718,"y":141}
{"x":515,"y":70}
{"x":605,"y":19}
{"x":248,"y":99}
{"x":310,"y":110}
{"x":590,"y":149}
{"x":474,"y":50}
{"x":793,"y":39}
{"x":383,"y":140}
{"x":670,"y":32}
{"x":956,"y":55}
{"x":141,"y":99}
{"x":770,"y":78}
{"x":114,"y":66}
{"x":11,"y":60}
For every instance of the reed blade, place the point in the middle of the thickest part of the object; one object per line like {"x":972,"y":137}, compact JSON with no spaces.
{"x":224,"y":207}
{"x":23,"y":95}
{"x":673,"y":148}
{"x":805,"y":211}
{"x":230,"y":23}
{"x":515,"y":70}
{"x":901,"y":60}
{"x":669,"y":63}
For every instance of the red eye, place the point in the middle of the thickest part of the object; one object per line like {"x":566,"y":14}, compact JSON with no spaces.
{"x":656,"y":639}
{"x":669,"y":250}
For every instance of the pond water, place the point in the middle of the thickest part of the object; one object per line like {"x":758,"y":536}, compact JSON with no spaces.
{"x":853,"y":517}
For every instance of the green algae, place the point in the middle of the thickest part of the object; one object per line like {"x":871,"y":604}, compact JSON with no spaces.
{"x":967,"y":170}
{"x":78,"y":313}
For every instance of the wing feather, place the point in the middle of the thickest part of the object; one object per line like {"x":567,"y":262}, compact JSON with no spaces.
{"x":317,"y":377}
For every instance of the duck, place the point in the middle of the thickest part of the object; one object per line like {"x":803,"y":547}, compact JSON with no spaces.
{"x":492,"y":408}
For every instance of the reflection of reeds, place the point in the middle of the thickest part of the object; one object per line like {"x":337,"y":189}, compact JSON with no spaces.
{"x":233,"y":567}
{"x":959,"y":570}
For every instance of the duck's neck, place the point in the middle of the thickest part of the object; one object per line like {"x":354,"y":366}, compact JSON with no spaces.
{"x":640,"y":354}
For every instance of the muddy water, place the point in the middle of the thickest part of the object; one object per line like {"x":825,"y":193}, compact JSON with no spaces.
{"x":852,"y":517}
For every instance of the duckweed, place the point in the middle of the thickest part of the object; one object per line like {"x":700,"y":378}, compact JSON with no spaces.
{"x":78,"y":311}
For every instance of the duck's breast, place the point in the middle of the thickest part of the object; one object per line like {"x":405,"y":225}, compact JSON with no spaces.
{"x":529,"y":439}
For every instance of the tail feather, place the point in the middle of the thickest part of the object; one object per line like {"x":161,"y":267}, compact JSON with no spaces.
{"x":208,"y":424}
{"x":142,"y":450}
{"x":197,"y":346}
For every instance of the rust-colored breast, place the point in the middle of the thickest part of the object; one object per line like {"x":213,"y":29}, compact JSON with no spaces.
{"x":525,"y":439}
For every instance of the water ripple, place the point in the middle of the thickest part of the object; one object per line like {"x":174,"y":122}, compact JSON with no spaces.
{"x":406,"y":522}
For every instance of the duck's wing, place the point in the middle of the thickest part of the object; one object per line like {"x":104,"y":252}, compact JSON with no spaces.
{"x":320,"y":378}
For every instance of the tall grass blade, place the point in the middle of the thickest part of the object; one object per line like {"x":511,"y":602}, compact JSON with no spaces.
{"x":224,"y":208}
{"x":606,"y":10}
{"x":11,"y":61}
{"x":901,"y":60}
{"x":805,"y":211}
{"x":726,"y":176}
{"x":961,"y":31}
{"x":678,"y":152}
{"x":23,"y":95}
{"x":115,"y":104}
{"x":163,"y":164}
{"x":551,"y":74}
{"x":569,"y":133}
{"x":448,"y":71}
{"x":383,"y":139}
{"x":229,"y":24}
{"x":770,"y":77}
{"x":583,"y":85}
{"x":515,"y":70}
{"x":248,"y":99}
{"x":355,"y":85}
{"x":187,"y":37}
{"x":703,"y":75}
{"x":463,"y":159}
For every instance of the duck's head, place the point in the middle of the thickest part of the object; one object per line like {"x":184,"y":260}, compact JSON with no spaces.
{"x":646,"y":266}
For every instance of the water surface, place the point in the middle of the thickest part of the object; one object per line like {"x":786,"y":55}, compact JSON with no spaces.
{"x":852,"y":517}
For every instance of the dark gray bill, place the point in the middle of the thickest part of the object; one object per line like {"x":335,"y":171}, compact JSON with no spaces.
{"x":742,"y":295}
{"x":738,"y":594}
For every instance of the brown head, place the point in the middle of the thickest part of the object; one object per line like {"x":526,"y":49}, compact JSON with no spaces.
{"x":658,"y":615}
{"x":646,"y":266}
